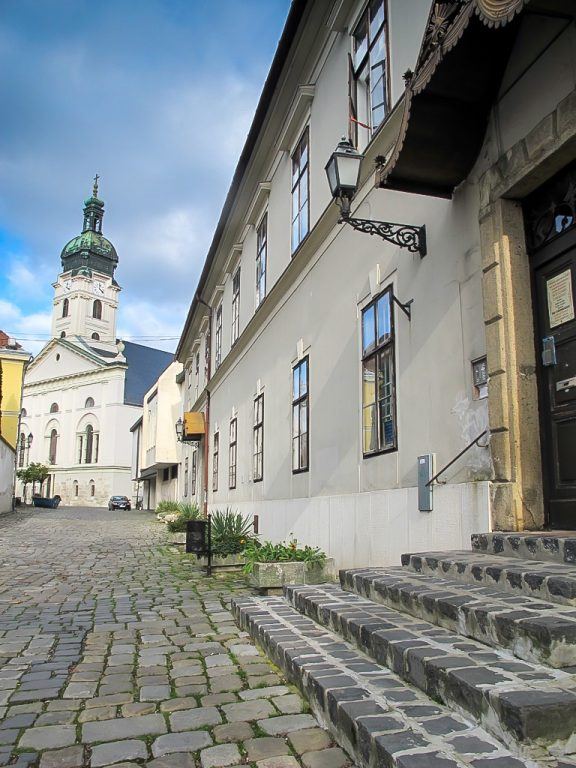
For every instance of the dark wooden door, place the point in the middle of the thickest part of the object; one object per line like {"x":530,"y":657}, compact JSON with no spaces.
{"x":555,"y":294}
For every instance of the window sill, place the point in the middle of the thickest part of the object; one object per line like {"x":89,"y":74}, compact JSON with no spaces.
{"x":380,"y":452}
{"x":300,"y":471}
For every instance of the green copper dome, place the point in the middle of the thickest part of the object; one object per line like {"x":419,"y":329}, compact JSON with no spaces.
{"x":90,"y":250}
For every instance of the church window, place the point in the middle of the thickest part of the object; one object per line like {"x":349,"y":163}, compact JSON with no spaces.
{"x":92,"y":488}
{"x":97,"y":309}
{"x":65,"y":307}
{"x":88,"y":446}
{"x":89,"y":402}
{"x":21,"y":450}
{"x":75,"y":486}
{"x":24,"y":413}
{"x":53,"y":447}
{"x":54,"y":408}
{"x":89,"y":443}
{"x":62,"y":334}
{"x":96,"y":336}
{"x":236,"y":306}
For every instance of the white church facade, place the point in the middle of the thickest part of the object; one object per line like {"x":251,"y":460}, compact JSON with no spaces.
{"x":85,"y":388}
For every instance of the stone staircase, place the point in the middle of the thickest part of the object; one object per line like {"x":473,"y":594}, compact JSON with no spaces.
{"x":455,"y":659}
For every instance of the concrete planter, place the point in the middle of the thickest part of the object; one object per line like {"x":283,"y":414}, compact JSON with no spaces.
{"x":225,"y":561}
{"x":273,"y":576}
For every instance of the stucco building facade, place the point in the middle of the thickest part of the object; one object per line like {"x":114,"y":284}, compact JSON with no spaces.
{"x":319,"y":393}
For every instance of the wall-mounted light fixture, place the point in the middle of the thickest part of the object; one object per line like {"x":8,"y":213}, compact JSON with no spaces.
{"x":343,"y":170}
{"x":179,"y":426}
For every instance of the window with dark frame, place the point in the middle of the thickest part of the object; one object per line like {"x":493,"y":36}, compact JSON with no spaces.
{"x":197,"y":384}
{"x":300,"y":192}
{"x":215,"y":455}
{"x":261,"y":259}
{"x":258,"y":446}
{"x":53,"y":447}
{"x":218,"y":338}
{"x":368,"y":71}
{"x":194,"y":473}
{"x":186,"y":476}
{"x":65,"y":307}
{"x":379,"y":431}
{"x":174,"y":472}
{"x":236,"y":306}
{"x":21,"y":449}
{"x":233,"y":453}
{"x":97,"y":310}
{"x":300,"y":417}
{"x":166,"y":474}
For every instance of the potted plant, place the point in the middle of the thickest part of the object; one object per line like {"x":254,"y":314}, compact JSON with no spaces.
{"x":271,"y":566}
{"x":176,"y":518}
{"x":231,"y":532}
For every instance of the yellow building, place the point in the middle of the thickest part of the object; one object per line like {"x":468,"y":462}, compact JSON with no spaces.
{"x":13,"y":361}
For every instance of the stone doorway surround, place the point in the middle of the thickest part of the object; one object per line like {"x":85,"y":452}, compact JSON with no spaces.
{"x":517,"y":501}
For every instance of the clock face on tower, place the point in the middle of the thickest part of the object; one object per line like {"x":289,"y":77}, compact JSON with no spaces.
{"x":98,"y":288}
{"x":67,"y":285}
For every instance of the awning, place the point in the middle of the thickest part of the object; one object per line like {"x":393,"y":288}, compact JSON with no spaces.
{"x":194,"y":426}
{"x":147,"y":474}
{"x":448,"y":99}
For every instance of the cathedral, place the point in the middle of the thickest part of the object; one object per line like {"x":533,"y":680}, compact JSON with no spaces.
{"x":85,"y":388}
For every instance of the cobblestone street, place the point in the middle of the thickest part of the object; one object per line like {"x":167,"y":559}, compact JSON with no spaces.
{"x":116,"y":649}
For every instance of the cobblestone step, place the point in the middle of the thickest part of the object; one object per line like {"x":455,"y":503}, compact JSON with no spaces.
{"x":554,"y":582}
{"x":518,"y":702}
{"x":533,"y":630}
{"x":548,"y":546}
{"x":377,"y":717}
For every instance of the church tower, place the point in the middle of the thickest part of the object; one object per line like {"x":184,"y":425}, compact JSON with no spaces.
{"x":86,"y":293}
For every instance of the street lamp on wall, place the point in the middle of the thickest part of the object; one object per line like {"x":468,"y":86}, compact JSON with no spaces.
{"x":179,"y":426}
{"x":343,"y":171}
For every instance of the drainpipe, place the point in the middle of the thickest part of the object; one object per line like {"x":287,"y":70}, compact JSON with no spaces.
{"x":207,"y":411}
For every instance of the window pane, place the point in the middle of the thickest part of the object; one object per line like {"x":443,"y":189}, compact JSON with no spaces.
{"x":369,"y":418}
{"x":304,"y":222}
{"x":303,"y":452}
{"x":303,"y":153}
{"x":303,"y":189}
{"x":384,"y":318}
{"x":361,"y":41}
{"x":386,"y":400}
{"x":295,"y":234}
{"x":376,"y":16}
{"x":295,"y":421}
{"x":303,"y":417}
{"x":295,"y":453}
{"x":378,"y":50}
{"x":378,"y":115}
{"x":368,"y":329}
{"x":303,"y":377}
{"x":295,"y":383}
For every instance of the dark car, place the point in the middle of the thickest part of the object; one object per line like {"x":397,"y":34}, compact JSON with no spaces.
{"x":119,"y":502}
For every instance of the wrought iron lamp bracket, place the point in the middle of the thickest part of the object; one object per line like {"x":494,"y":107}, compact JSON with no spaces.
{"x":407,"y":236}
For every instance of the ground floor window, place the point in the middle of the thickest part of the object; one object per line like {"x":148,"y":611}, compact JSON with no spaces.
{"x":300,"y":416}
{"x":258,"y":446}
{"x":215,"y":454}
{"x":379,"y":431}
{"x":232,"y":453}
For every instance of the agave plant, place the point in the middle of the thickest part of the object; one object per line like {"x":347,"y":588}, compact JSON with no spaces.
{"x":230,"y":531}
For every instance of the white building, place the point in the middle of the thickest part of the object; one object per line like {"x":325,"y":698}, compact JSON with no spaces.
{"x":85,"y":388}
{"x":465,"y":114}
{"x":155,"y":449}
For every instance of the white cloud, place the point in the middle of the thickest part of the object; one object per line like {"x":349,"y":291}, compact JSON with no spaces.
{"x":32,"y":330}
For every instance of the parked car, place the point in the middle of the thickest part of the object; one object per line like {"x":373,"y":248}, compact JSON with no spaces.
{"x":119,"y":502}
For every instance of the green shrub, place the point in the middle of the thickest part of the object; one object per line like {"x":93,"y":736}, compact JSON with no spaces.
{"x":165,"y":507}
{"x":231,"y":532}
{"x":267,"y":552}
{"x":183,"y":512}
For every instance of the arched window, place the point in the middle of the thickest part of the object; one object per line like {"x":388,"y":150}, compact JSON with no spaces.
{"x":54,"y":408}
{"x":89,"y":402}
{"x":92,"y":488}
{"x":96,"y":336}
{"x":21,"y":449}
{"x":75,"y":486}
{"x":62,"y":334}
{"x":65,"y":308}
{"x":23,"y":413}
{"x":97,"y":309}
{"x":53,"y":446}
{"x":89,"y":443}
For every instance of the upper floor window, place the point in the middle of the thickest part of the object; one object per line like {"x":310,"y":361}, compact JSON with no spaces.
{"x":261,"y":259}
{"x":88,"y":445}
{"x":197,"y":380}
{"x":54,"y":408}
{"x":368,"y":81}
{"x":89,"y":402}
{"x":194,"y":472}
{"x":97,"y":309}
{"x":65,"y":308}
{"x":186,"y":476}
{"x":53,"y":447}
{"x":378,"y":376}
{"x":236,"y":305}
{"x":258,"y":442}
{"x":96,"y":336}
{"x":218,"y":345}
{"x":232,"y":453}
{"x":215,"y":457}
{"x":23,"y":413}
{"x":300,"y":183}
{"x":21,"y":449}
{"x":300,"y":411}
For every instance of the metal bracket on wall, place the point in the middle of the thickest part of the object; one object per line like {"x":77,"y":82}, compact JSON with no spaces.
{"x":406,"y":307}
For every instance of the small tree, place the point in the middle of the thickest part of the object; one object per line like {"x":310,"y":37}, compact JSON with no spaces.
{"x":38,"y":473}
{"x":25,"y":477}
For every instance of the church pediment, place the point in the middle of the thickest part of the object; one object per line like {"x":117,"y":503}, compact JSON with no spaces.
{"x":62,"y":358}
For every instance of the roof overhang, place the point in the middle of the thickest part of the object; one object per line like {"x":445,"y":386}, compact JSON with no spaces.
{"x":448,"y":99}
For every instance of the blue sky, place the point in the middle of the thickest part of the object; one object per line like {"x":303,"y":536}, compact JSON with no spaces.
{"x":157,"y":97}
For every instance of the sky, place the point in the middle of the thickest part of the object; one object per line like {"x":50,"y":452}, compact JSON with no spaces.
{"x":156,"y":96}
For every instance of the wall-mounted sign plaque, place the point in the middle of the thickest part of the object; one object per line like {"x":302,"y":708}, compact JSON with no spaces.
{"x":560,"y":298}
